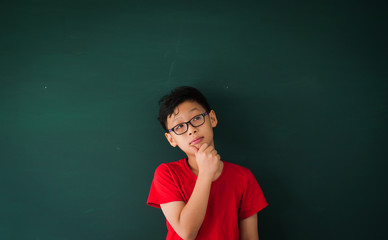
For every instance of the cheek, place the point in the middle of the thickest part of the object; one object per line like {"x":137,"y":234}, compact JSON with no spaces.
{"x":177,"y":142}
{"x":184,"y":149}
{"x":182,"y":144}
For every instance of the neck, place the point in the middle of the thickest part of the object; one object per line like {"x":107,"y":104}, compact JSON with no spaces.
{"x":194,"y":167}
{"x":193,"y":164}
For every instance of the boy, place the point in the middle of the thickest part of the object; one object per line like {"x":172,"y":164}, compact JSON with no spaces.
{"x":201,"y":196}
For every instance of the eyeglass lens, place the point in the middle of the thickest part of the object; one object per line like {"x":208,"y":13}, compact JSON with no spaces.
{"x":195,"y":121}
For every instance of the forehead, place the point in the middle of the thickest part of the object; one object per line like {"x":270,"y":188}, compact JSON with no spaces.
{"x":184,"y":112}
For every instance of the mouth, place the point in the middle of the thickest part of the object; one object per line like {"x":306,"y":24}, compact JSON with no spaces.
{"x":195,"y":141}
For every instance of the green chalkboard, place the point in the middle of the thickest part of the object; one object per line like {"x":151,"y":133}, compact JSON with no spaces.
{"x":80,"y":81}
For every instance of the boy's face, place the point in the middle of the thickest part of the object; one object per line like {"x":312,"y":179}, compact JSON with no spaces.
{"x":195,"y":136}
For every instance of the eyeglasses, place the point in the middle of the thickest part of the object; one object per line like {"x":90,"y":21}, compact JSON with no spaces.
{"x":196,"y":121}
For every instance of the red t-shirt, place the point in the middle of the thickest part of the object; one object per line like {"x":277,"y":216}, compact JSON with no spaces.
{"x":234,"y":196}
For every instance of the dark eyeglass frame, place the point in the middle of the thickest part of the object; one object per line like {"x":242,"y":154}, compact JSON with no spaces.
{"x":187,"y":126}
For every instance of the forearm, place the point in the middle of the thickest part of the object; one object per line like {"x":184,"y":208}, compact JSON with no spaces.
{"x":248,"y":228}
{"x":193,"y":214}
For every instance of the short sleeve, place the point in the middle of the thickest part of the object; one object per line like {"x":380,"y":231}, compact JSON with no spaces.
{"x":163,"y":188}
{"x":253,"y":199}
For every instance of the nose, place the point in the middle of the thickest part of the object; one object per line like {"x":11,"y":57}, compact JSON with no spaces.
{"x":191,"y":129}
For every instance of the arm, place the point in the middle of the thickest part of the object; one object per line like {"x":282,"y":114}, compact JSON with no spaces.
{"x":248,"y":228}
{"x":186,"y":219}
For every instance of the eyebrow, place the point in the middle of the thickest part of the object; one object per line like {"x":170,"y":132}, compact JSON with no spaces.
{"x":192,"y":110}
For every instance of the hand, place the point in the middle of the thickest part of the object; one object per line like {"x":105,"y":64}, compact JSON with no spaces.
{"x":208,"y":160}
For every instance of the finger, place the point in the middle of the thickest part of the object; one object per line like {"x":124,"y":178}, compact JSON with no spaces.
{"x":203,"y":147}
{"x":209,"y":149}
{"x":214,"y":151}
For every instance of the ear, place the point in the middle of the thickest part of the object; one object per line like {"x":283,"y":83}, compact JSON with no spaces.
{"x":213,"y":118}
{"x":170,"y":139}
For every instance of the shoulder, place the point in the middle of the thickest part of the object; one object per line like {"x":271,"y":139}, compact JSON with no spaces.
{"x":237,"y":170}
{"x":168,"y":168}
{"x":239,"y":174}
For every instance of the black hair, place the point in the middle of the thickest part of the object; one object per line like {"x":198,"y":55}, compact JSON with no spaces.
{"x":168,"y":103}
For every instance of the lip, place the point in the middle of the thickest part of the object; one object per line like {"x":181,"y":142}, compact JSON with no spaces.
{"x":195,"y":141}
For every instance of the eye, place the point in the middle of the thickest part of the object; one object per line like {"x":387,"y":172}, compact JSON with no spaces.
{"x":196,"y":118}
{"x":179,"y":126}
